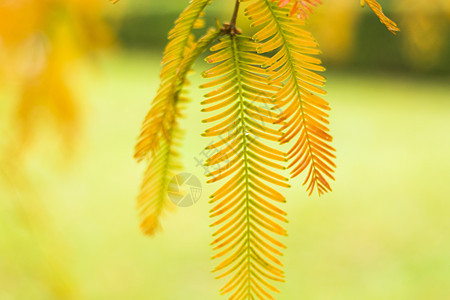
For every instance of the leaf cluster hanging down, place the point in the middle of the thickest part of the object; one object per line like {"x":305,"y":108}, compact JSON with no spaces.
{"x":294,"y":66}
{"x":266,"y":91}
{"x":244,"y":206}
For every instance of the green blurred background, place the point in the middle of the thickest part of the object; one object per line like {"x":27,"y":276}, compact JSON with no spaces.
{"x":68,"y":228}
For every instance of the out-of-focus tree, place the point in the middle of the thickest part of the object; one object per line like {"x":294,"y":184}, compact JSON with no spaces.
{"x":334,"y":24}
{"x":39,"y":42}
{"x":425,"y":24}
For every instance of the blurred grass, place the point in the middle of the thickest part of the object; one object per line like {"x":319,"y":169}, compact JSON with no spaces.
{"x":382,"y":234}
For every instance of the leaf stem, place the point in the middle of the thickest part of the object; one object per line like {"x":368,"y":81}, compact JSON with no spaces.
{"x":233,"y":29}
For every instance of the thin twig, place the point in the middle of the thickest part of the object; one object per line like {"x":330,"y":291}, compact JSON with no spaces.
{"x":233,"y":29}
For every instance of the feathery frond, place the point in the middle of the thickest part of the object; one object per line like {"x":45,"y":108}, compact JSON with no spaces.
{"x":156,"y":125}
{"x":304,"y":116}
{"x":245,"y":205}
{"x":152,"y":200}
{"x":301,"y":8}
{"x":376,"y":8}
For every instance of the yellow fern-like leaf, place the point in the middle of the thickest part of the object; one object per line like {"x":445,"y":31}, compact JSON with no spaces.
{"x":376,"y":8}
{"x":156,"y":125}
{"x":301,"y":8}
{"x":246,"y":205}
{"x":303,"y":115}
{"x":153,"y":200}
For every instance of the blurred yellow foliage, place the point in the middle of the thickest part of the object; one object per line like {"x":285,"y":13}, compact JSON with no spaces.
{"x":425,"y":24}
{"x":39,"y":42}
{"x":334,"y":24}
